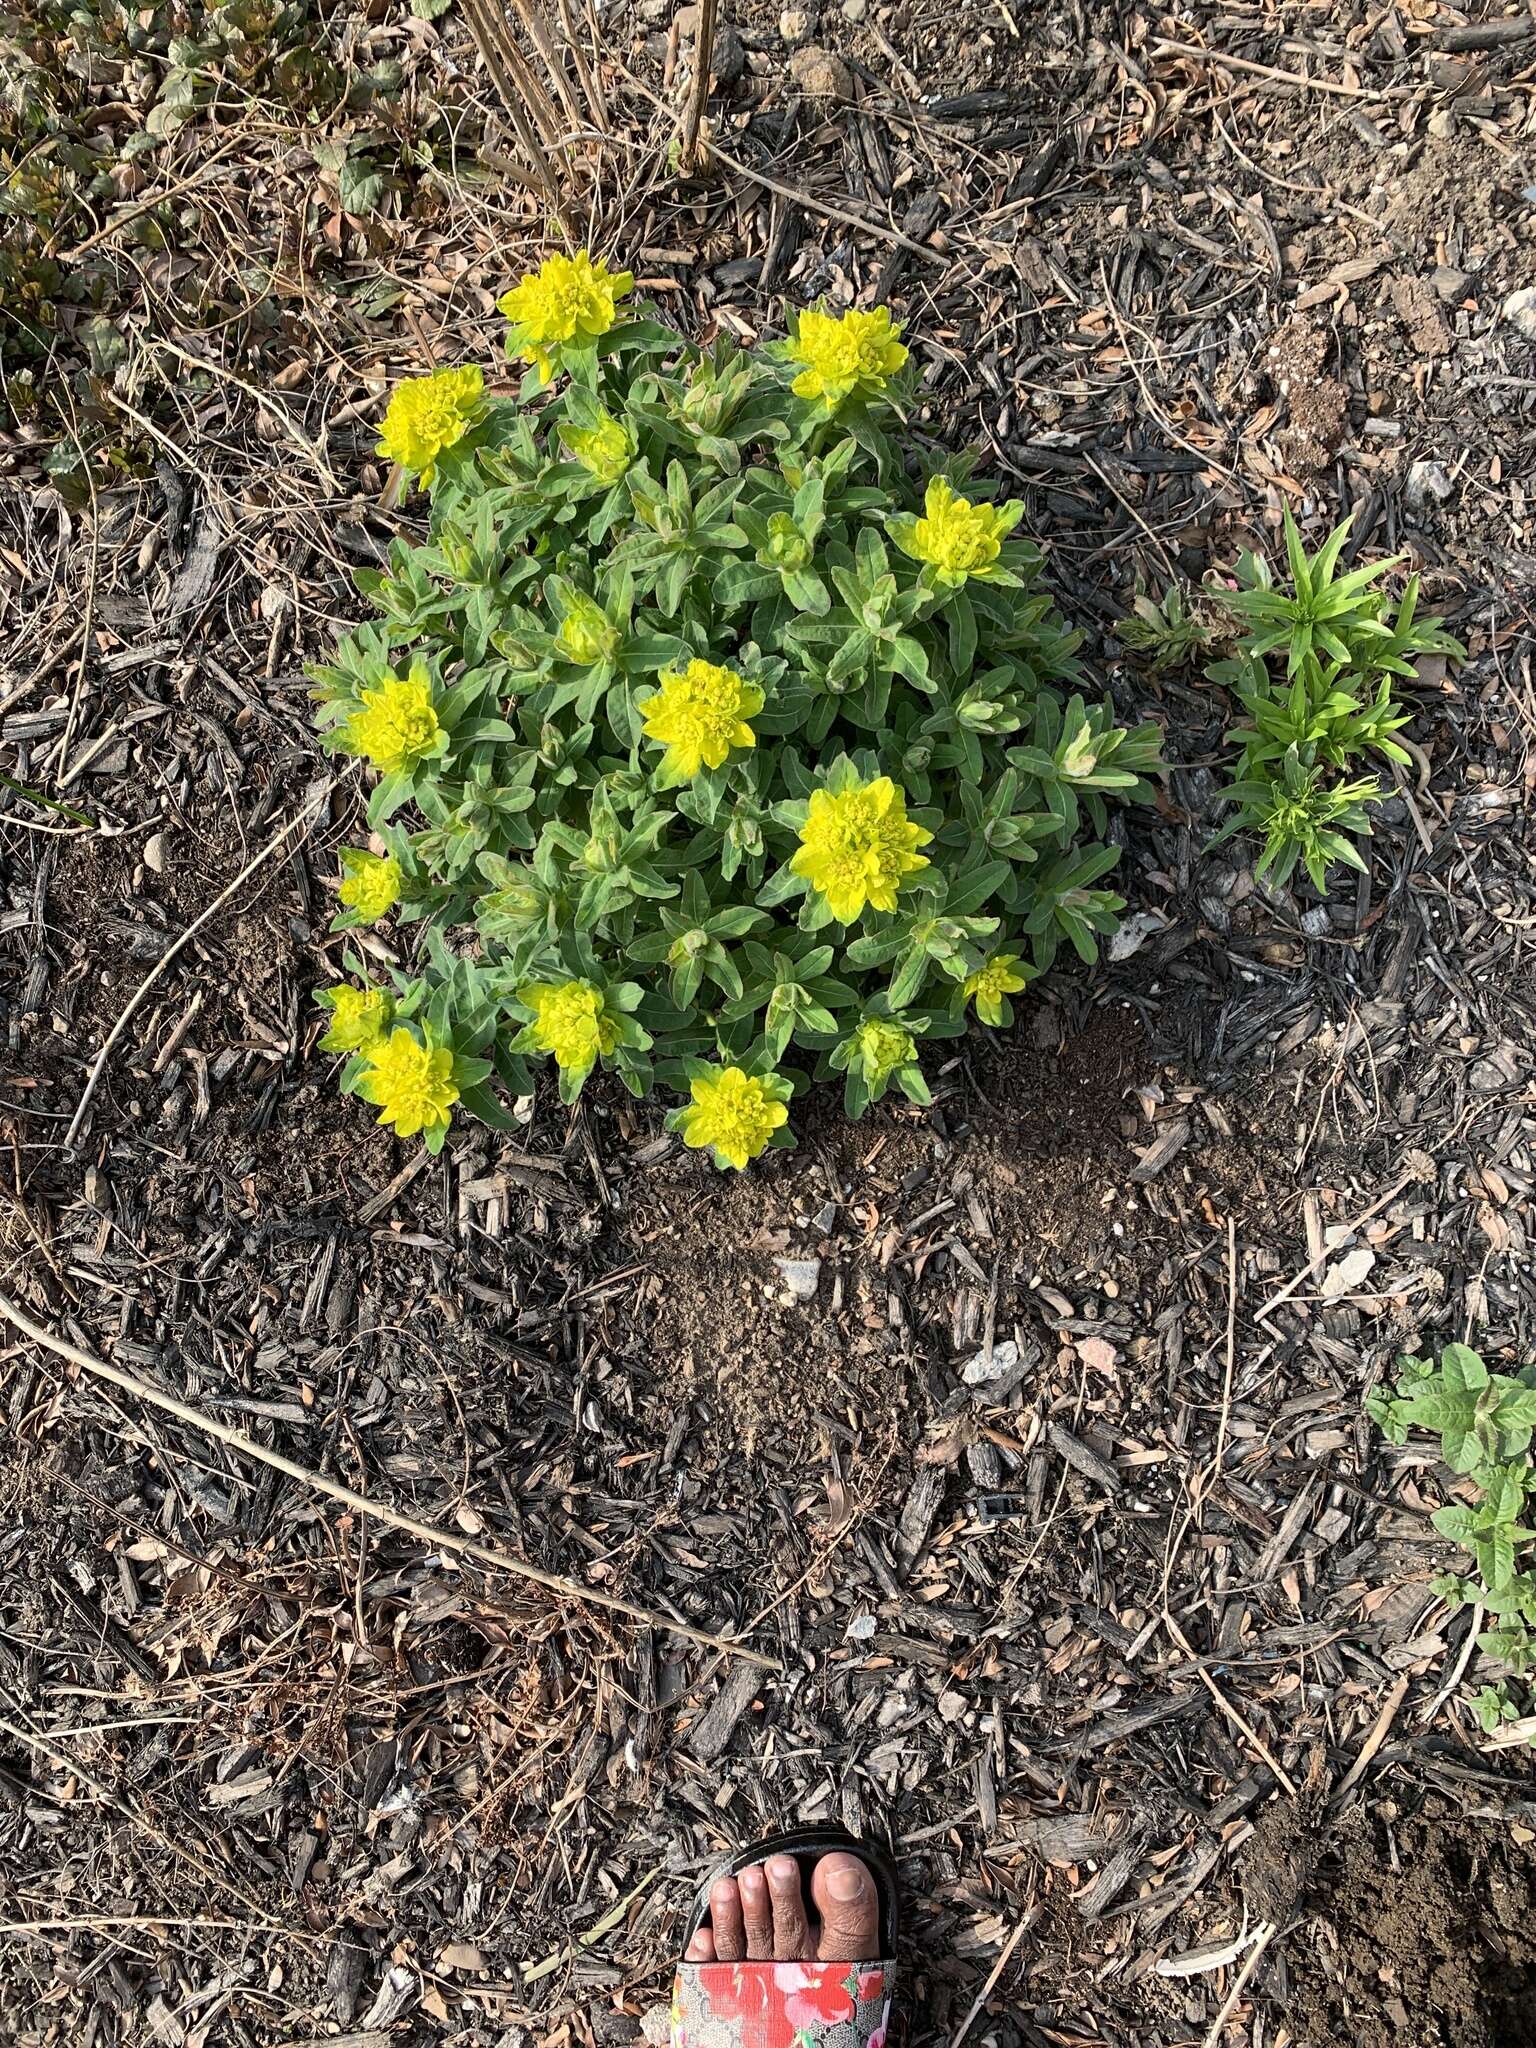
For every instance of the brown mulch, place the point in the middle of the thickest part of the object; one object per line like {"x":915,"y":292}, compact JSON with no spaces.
{"x":1026,"y":1434}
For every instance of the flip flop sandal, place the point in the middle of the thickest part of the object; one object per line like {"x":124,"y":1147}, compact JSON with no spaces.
{"x":790,"y":2005}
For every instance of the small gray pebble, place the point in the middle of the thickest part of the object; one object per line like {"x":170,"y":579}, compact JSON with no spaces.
{"x":801,"y":1276}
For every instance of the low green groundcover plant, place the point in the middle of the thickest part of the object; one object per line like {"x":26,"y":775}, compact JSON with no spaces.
{"x":1484,"y":1421}
{"x":713,"y":746}
{"x":1316,"y":661}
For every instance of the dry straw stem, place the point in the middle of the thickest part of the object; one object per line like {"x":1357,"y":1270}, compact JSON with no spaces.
{"x":360,"y":1503}
{"x":698,"y":91}
{"x":286,"y":423}
{"x":531,"y":16}
{"x":1166,"y":47}
{"x":527,"y":104}
{"x":827,"y":208}
{"x":148,"y":204}
{"x":542,"y":130}
{"x":72,"y":1767}
{"x":1266,"y":1933}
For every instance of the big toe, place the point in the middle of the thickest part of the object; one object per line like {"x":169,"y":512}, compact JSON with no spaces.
{"x":849,"y":1906}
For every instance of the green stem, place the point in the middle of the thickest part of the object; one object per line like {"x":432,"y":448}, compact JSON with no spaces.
{"x":48,"y":803}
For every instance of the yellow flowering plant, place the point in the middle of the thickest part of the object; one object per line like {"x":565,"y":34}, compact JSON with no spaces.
{"x":370,"y":887}
{"x":714,"y":740}
{"x":578,"y":1019}
{"x":878,"y":1052}
{"x":414,"y":1080}
{"x":956,"y":538}
{"x":999,"y":976}
{"x":430,"y":414}
{"x":560,"y":310}
{"x":855,"y":355}
{"x":359,"y":1017}
{"x":736,"y":1112}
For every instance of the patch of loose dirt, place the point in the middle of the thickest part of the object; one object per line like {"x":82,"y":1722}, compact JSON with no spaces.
{"x":917,"y":1231}
{"x":1316,"y":403}
{"x":1023,"y":1174}
{"x":1423,"y":319}
{"x":777,"y":1376}
{"x":1415,"y":1931}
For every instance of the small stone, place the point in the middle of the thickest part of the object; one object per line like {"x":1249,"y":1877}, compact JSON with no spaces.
{"x":1452,"y":285}
{"x":1503,"y":1068}
{"x":855,"y":10}
{"x":656,"y":2025}
{"x":801,"y":1276}
{"x":728,"y":58}
{"x":1520,"y":310}
{"x":1134,"y":932}
{"x":1427,"y":480}
{"x":1347,"y":1274}
{"x":821,"y":74}
{"x":1098,"y":1355}
{"x":154,"y":853}
{"x":861,"y":1628}
{"x":986,"y":1367}
{"x":825,"y":1217}
{"x":794,"y":25}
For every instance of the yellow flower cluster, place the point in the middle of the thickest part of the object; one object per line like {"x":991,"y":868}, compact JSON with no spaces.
{"x":735,"y":1114}
{"x":959,"y":539}
{"x":996,"y":978}
{"x":857,"y":847}
{"x":604,"y":451}
{"x":397,"y":726}
{"x":883,"y":1049}
{"x":359,"y":1018}
{"x":410,"y":1082}
{"x":587,"y":634}
{"x":567,"y":299}
{"x":698,"y":715}
{"x":859,"y":352}
{"x":370,"y":884}
{"x":570,"y":1021}
{"x":428,"y":414}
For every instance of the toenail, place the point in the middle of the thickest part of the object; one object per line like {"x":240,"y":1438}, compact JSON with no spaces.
{"x":782,"y":1871}
{"x":846,"y":1884}
{"x":751,"y":1879}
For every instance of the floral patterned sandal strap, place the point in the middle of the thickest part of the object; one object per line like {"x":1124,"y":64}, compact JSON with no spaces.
{"x":782,"y":2005}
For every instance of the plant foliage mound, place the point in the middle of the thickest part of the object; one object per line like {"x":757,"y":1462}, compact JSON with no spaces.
{"x":1316,"y":661}
{"x":720,"y":739}
{"x":1485,"y":1422}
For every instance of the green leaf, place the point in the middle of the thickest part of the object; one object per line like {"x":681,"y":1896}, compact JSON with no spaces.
{"x":1463,"y":1368}
{"x":360,"y":185}
{"x":1458,"y":1523}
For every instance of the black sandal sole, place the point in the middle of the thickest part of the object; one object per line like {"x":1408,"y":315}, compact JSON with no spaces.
{"x":808,"y":1846}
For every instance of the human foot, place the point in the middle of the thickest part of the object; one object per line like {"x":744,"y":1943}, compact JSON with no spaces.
{"x":763,"y":1915}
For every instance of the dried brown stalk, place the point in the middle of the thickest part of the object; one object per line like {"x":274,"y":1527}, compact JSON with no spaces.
{"x":698,"y":94}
